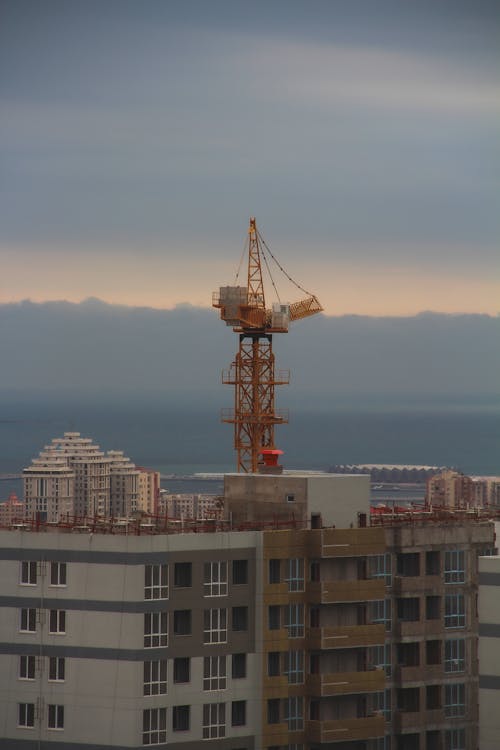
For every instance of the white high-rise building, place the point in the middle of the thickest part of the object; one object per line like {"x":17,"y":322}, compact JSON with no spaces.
{"x":49,"y":487}
{"x":124,"y":485}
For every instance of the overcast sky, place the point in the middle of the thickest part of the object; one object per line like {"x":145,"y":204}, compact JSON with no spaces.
{"x":138,"y":136}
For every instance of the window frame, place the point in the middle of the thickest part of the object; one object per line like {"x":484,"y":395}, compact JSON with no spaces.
{"x":294,"y":620}
{"x":454,"y":611}
{"x":214,"y":673}
{"x":454,"y":566}
{"x":57,"y":665}
{"x":454,"y":655}
{"x":238,"y":661}
{"x":30,"y":615}
{"x":58,"y":574}
{"x":454,"y":700}
{"x":181,"y":718}
{"x":155,"y":629}
{"x":27,"y":667}
{"x":214,"y":721}
{"x":182,"y":622}
{"x":28,"y":571}
{"x":181,"y":670}
{"x":293,"y":666}
{"x":57,"y":622}
{"x":215,"y":578}
{"x":183,"y":575}
{"x":154,"y":677}
{"x":215,"y":625}
{"x":239,"y":619}
{"x":26,"y":715}
{"x":55,"y":717}
{"x":239,"y":713}
{"x":239,"y":571}
{"x":154,"y":726}
{"x":156,"y":581}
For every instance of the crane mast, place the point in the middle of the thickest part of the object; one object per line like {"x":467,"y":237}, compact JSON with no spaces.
{"x":252,"y":373}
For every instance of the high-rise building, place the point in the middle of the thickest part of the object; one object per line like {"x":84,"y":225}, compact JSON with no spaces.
{"x":291,"y":624}
{"x":124,"y":485}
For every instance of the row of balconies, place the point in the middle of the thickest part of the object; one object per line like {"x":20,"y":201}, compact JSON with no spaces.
{"x":405,"y":720}
{"x":330,"y":684}
{"x":334,"y":730}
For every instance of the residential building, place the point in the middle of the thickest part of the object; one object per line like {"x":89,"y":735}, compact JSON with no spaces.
{"x":489,"y":652}
{"x":12,"y":510}
{"x":292,"y":623}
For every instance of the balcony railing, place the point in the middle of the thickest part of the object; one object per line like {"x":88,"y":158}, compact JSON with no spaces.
{"x":331,"y":592}
{"x":346,"y":636}
{"x":345,"y":683}
{"x":344,"y":730}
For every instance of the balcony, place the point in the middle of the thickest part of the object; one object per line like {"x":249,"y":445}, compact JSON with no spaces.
{"x":347,"y":542}
{"x":336,"y":592}
{"x":275,"y":734}
{"x":413,"y":628}
{"x":345,"y":636}
{"x":422,"y":674}
{"x":345,"y":730}
{"x":345,"y":683}
{"x":416,"y":584}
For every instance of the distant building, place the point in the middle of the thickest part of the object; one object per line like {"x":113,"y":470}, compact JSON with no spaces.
{"x":11,"y":511}
{"x":191,"y":506}
{"x":451,"y":489}
{"x":73,"y":477}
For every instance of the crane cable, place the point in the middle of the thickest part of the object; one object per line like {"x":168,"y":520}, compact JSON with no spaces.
{"x":241,"y":261}
{"x":282,"y":269}
{"x":271,"y":276}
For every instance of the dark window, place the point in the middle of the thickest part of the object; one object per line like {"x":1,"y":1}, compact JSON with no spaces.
{"x":408,"y":654}
{"x":183,"y":574}
{"x":273,"y":711}
{"x":273,"y":663}
{"x":240,"y":571}
{"x":239,"y":666}
{"x":182,"y":622}
{"x":314,"y":617}
{"x":28,"y":573}
{"x":274,"y":617}
{"x":314,"y":710}
{"x":274,"y":571}
{"x":408,"y":564}
{"x":408,"y":699}
{"x":432,"y":607}
{"x":409,"y":609}
{"x":180,"y":718}
{"x":433,"y":697}
{"x":240,"y":618}
{"x":238,"y":713}
{"x":315,"y":570}
{"x":433,"y":652}
{"x":432,"y":563}
{"x":181,"y":669}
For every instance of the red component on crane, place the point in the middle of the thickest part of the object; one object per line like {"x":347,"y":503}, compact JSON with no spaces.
{"x":253,"y":372}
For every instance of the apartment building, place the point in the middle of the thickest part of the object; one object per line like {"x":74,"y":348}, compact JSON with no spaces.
{"x":489,"y":652}
{"x":291,"y":625}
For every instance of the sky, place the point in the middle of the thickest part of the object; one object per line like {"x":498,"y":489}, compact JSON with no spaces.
{"x":137,"y":137}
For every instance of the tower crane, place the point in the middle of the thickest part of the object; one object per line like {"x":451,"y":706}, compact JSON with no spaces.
{"x":253,"y":372}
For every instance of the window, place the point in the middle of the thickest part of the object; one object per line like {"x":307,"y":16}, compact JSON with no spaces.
{"x":57,"y":574}
{"x":293,"y":712}
{"x":181,"y":718}
{"x":215,"y":626}
{"x":454,"y":739}
{"x":156,"y":581}
{"x":380,"y":566}
{"x":295,"y":574}
{"x":380,"y":658}
{"x":182,"y":622}
{"x":314,"y":616}
{"x":28,"y":575}
{"x":214,"y":673}
{"x":408,"y":564}
{"x":273,"y":711}
{"x":57,"y":621}
{"x":409,"y":609}
{"x":274,"y":570}
{"x":154,"y":726}
{"x":432,"y":607}
{"x":215,"y":578}
{"x":454,"y":699}
{"x":155,"y":629}
{"x":274,"y":619}
{"x":57,"y":669}
{"x":454,"y":566}
{"x":155,"y":677}
{"x":315,"y":570}
{"x":182,"y":669}
{"x":454,"y":611}
{"x":182,"y":574}
{"x":380,"y":612}
{"x":382,"y":702}
{"x":238,"y":713}
{"x":28,"y":621}
{"x":239,"y":666}
{"x":26,"y":667}
{"x":454,"y":655}
{"x":240,"y":572}
{"x":294,"y":667}
{"x":214,"y":720}
{"x":273,"y":664}
{"x":55,"y":719}
{"x":432,"y":563}
{"x":294,"y":620}
{"x":290,"y":498}
{"x":240,"y":618}
{"x":26,"y":715}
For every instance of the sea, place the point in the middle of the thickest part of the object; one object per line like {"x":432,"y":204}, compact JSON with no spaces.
{"x":182,"y":441}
